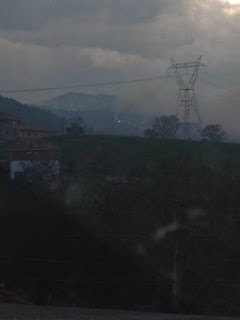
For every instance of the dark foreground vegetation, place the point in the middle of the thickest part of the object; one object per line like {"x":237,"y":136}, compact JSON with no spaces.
{"x":126,"y":239}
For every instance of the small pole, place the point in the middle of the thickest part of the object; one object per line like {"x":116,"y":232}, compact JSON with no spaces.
{"x":177,"y":262}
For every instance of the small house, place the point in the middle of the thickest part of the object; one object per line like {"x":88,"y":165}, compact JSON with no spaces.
{"x":12,"y":129}
{"x":27,"y":157}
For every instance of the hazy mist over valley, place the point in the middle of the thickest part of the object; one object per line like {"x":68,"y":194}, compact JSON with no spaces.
{"x":84,"y":43}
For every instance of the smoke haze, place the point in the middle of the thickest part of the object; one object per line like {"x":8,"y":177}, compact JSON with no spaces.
{"x":66,"y":42}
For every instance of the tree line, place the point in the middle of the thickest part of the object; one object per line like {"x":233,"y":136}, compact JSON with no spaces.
{"x":167,"y":126}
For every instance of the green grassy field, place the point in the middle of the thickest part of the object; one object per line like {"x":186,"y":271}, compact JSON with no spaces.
{"x":137,"y":150}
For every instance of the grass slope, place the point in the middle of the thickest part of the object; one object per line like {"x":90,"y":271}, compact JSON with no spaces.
{"x":132,"y":151}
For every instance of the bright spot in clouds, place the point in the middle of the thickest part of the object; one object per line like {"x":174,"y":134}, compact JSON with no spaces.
{"x":234,"y":1}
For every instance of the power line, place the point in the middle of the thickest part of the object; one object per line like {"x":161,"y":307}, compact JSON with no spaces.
{"x":99,"y":84}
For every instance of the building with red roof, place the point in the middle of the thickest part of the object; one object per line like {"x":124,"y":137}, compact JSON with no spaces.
{"x":12,"y":129}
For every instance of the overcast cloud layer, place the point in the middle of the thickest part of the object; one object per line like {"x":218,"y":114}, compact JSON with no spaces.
{"x":66,"y":42}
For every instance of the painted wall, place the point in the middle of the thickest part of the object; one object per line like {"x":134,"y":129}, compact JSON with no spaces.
{"x":47,"y":168}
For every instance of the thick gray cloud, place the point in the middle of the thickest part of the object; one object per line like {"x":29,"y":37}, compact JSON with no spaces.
{"x":64,"y":42}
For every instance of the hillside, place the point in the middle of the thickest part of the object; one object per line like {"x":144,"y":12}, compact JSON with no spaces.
{"x":100,"y":113}
{"x":31,"y":115}
{"x":96,"y":110}
{"x":116,"y":154}
{"x":71,"y":103}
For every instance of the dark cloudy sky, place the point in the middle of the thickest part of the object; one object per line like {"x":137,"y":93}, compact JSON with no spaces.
{"x":66,"y":42}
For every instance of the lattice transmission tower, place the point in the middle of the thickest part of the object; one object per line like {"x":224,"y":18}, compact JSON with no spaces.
{"x":187,"y":103}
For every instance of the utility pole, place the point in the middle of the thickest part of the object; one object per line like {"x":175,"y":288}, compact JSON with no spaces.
{"x":178,"y":261}
{"x":187,"y":102}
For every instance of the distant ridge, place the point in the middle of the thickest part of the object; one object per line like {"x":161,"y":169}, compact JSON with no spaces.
{"x":32,"y":115}
{"x":100,"y":112}
{"x":81,"y":101}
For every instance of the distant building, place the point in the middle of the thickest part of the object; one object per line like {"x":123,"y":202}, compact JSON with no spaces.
{"x":32,"y":132}
{"x":8,"y":119}
{"x":12,"y":129}
{"x":39,"y":157}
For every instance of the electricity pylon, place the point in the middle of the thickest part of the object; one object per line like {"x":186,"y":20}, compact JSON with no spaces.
{"x":187,"y":102}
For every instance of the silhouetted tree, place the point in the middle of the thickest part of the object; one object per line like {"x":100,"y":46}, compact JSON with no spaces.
{"x":163,"y":127}
{"x":75,"y":129}
{"x":150,"y":133}
{"x":214,"y":132}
